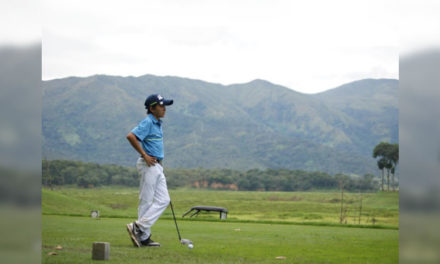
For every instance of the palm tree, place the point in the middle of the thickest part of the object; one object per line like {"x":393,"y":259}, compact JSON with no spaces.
{"x":393,"y":170}
{"x":394,"y":157}
{"x":388,"y":155}
{"x":388,"y":166}
{"x":381,"y":165}
{"x":382,"y":152}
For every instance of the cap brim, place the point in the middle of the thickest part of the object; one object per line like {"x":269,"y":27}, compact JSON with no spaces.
{"x":168,"y":102}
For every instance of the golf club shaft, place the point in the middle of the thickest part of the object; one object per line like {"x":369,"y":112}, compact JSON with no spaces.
{"x":174,"y":216}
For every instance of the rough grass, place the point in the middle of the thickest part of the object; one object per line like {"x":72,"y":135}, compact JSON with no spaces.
{"x":291,"y":207}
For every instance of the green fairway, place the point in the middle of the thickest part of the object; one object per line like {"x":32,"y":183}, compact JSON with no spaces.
{"x":218,"y":242}
{"x":303,"y":227}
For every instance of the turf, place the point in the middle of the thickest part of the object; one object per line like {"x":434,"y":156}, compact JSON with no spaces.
{"x":218,"y":242}
{"x":303,"y":227}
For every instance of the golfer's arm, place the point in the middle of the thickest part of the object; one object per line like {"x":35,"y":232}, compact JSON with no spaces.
{"x":135,"y":144}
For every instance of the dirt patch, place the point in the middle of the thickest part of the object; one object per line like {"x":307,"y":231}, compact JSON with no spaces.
{"x":200,"y":184}
{"x":220,"y":186}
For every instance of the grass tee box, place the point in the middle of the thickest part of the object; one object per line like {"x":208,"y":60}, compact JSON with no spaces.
{"x":219,"y":242}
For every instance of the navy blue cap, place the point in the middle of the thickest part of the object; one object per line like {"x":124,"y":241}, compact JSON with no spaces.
{"x":156,"y":99}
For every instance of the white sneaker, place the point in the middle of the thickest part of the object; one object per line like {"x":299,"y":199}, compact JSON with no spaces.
{"x":131,"y":231}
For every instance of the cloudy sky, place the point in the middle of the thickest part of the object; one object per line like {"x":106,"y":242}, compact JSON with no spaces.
{"x":308,"y":46}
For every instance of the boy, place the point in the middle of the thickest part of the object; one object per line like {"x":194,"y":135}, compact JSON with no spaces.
{"x":147,"y":140}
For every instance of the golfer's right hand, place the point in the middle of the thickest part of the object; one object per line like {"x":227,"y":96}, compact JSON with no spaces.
{"x":151,"y":161}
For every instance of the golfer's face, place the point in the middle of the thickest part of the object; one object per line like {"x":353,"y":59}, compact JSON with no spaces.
{"x":159,"y":110}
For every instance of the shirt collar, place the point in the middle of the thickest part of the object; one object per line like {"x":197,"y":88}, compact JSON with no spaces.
{"x":153,"y":118}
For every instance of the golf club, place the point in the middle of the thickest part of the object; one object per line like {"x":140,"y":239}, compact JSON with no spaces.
{"x":183,"y":241}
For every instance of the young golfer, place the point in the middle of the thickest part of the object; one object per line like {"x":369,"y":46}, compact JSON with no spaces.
{"x":147,"y":140}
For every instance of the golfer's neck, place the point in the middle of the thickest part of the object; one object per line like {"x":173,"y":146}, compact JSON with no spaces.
{"x":157,"y":118}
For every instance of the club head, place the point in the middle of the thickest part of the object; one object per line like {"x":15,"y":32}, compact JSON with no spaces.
{"x":184,"y":241}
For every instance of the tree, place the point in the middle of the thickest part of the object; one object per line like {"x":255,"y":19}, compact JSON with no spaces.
{"x":388,"y":155}
{"x":381,"y":165}
{"x":394,"y":157}
{"x":388,"y":166}
{"x":393,"y":170}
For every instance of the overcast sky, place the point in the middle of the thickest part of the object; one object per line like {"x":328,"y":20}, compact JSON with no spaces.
{"x":308,"y":46}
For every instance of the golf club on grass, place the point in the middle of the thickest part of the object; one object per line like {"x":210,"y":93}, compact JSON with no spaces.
{"x":183,"y":241}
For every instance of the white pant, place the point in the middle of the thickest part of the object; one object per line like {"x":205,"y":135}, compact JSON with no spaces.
{"x":153,"y":195}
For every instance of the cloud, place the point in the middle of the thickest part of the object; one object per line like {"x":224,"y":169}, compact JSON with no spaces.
{"x":294,"y":44}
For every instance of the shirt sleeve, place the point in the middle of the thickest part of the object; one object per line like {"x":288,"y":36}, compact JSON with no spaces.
{"x":142,"y":130}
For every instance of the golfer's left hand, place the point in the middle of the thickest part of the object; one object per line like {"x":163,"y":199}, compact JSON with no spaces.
{"x":151,"y":161}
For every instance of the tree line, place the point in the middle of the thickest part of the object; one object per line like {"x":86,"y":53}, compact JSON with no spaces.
{"x":89,"y":175}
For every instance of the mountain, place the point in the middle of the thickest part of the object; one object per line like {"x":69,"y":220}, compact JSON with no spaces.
{"x":372,"y":108}
{"x":240,"y":126}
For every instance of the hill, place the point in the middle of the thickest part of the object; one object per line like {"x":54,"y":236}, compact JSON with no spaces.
{"x":240,"y":126}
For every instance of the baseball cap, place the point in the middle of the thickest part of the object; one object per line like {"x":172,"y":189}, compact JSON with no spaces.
{"x":157,"y":99}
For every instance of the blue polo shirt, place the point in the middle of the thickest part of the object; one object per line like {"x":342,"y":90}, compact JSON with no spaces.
{"x":149,"y":133}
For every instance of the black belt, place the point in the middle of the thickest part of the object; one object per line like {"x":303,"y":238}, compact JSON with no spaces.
{"x":158,"y":160}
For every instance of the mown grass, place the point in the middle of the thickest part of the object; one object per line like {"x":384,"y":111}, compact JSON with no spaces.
{"x":301,"y":226}
{"x":218,"y":242}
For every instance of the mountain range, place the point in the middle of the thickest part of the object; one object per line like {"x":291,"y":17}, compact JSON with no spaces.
{"x":240,"y":126}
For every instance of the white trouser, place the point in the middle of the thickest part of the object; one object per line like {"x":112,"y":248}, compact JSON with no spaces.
{"x":153,"y":195}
